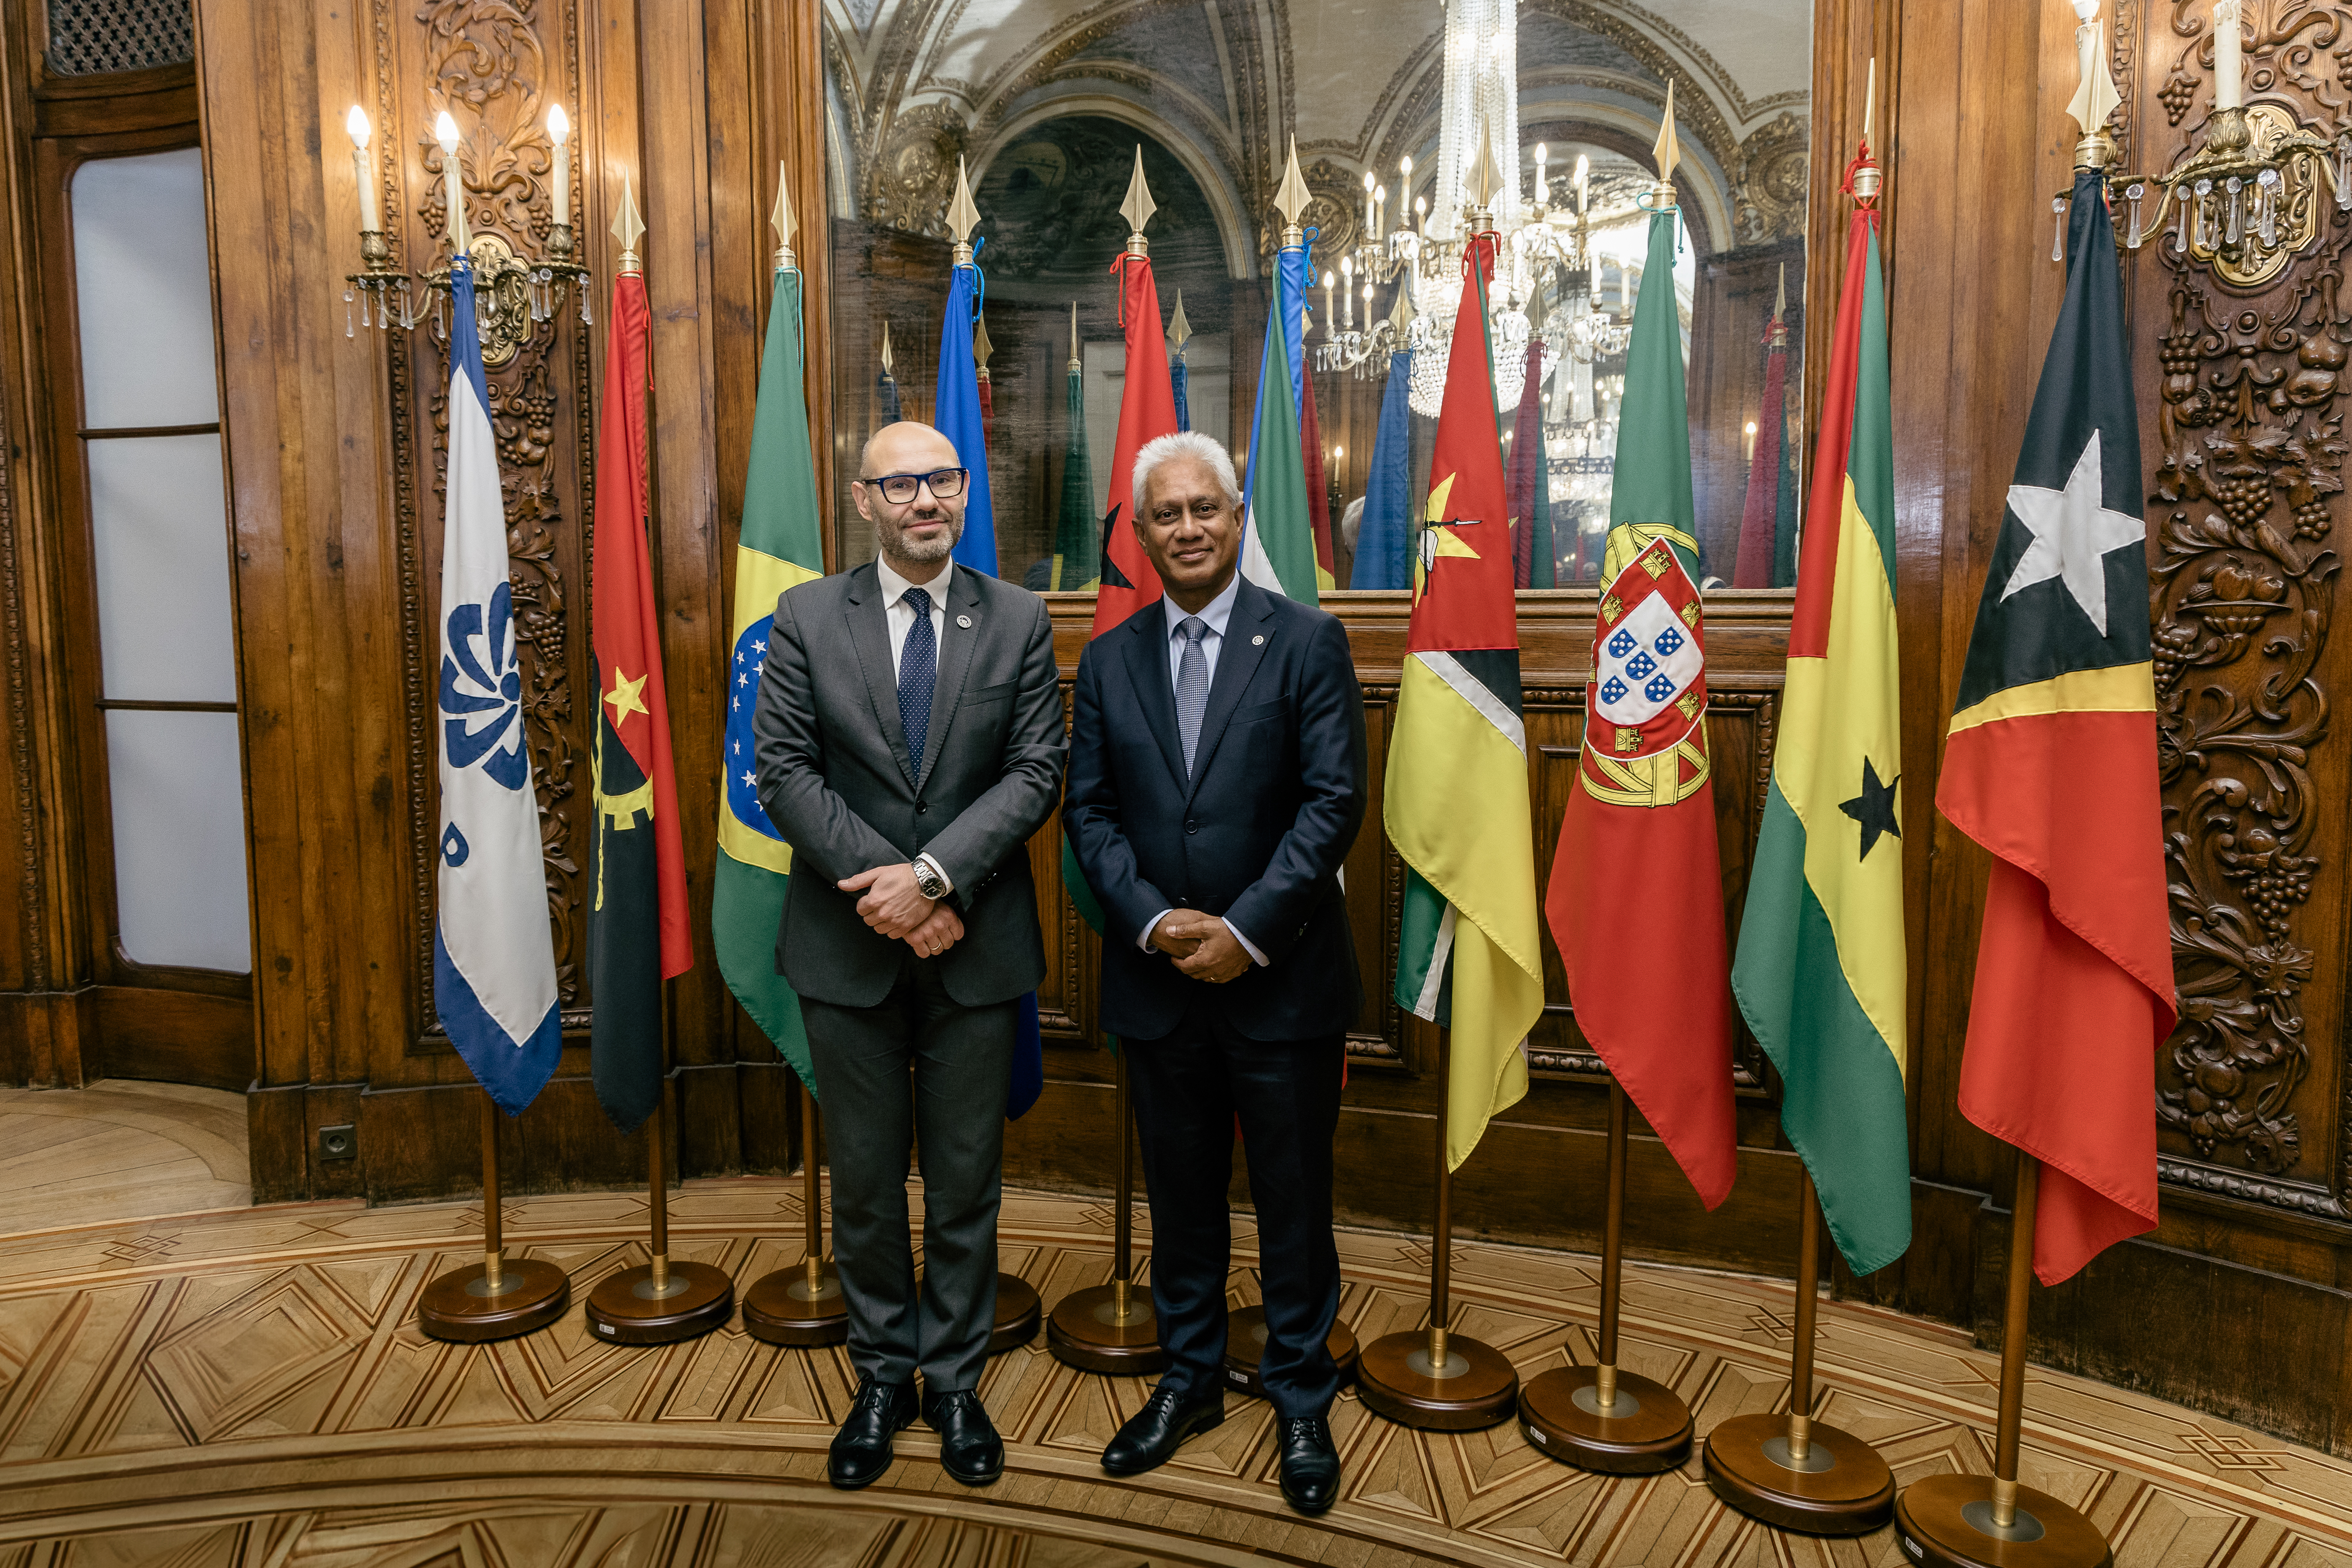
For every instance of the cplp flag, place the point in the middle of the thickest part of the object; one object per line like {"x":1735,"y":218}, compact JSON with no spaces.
{"x":1456,"y":803}
{"x":780,"y":547}
{"x":1821,"y":969}
{"x":493,"y":956}
{"x":1638,"y":837}
{"x":2050,"y":764}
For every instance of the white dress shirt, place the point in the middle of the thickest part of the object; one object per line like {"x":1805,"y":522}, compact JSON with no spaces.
{"x":1214,"y":616}
{"x":901,"y":617}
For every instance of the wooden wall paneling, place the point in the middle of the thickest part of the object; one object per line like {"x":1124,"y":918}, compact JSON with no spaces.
{"x":787,"y":38}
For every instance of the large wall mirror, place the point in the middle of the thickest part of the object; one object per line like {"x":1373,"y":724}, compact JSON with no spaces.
{"x":1048,"y":101}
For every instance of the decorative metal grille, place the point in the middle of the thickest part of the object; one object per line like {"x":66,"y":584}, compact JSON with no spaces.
{"x":92,"y":37}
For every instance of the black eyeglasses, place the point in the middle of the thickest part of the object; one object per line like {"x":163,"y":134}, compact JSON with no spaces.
{"x":945,"y":484}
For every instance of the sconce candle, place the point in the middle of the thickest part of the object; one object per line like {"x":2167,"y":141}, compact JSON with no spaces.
{"x":453,"y":179}
{"x":2229,"y":69}
{"x":559,"y":131}
{"x":357,"y":124}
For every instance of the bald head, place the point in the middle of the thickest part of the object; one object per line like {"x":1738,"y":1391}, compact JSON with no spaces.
{"x":918,"y":534}
{"x":908,"y":447}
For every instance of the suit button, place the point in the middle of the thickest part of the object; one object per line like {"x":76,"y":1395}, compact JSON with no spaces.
{"x":1190,"y":826}
{"x":921,"y":807}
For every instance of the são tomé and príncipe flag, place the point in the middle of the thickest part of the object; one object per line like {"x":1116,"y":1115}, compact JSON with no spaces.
{"x":2050,"y":764}
{"x":637,"y":930}
{"x":1820,"y":972}
{"x":1455,"y":801}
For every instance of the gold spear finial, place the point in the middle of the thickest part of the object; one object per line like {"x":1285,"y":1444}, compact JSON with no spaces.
{"x":2094,"y":97}
{"x":628,"y":227}
{"x":885,"y":345}
{"x":1781,"y":312}
{"x":1179,"y":331}
{"x":963,"y":216}
{"x":982,"y":348}
{"x":1075,"y":366}
{"x":1401,"y":318}
{"x":1668,"y":152}
{"x":1484,"y":182}
{"x":1290,"y":200}
{"x":1137,"y":207}
{"x":786,"y":225}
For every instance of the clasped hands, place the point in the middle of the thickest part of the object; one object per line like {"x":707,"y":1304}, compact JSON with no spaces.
{"x":1203,"y":946}
{"x":894,"y":906}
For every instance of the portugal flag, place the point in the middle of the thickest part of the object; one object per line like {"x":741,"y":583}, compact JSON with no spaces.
{"x":1820,"y":972}
{"x":1637,"y":850}
{"x":2051,"y":764}
{"x":1456,"y":803}
{"x":637,"y":934}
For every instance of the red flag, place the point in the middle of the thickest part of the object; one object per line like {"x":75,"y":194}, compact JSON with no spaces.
{"x":1760,"y":519}
{"x":1319,"y":498}
{"x":1146,"y":411}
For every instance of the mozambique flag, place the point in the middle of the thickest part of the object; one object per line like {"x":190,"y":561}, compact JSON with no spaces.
{"x":1637,"y":847}
{"x":1456,"y":803}
{"x":2050,"y":764}
{"x":1279,"y":541}
{"x":1076,"y":552}
{"x":637,"y":933}
{"x":1820,"y":970}
{"x":779,"y":548}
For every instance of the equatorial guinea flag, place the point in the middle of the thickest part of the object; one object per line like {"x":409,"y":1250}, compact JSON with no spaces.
{"x":779,"y":547}
{"x":2050,"y":764}
{"x":1820,"y":972}
{"x":637,"y":931}
{"x":1455,"y":802}
{"x":493,"y":954}
{"x":1637,"y":846}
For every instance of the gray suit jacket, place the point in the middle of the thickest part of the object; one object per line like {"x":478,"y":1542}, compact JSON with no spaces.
{"x":833,"y":773}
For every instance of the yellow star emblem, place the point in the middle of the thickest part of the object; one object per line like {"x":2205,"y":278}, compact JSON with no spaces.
{"x":624,"y":698}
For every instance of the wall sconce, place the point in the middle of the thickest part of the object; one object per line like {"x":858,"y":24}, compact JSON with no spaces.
{"x":512,"y":296}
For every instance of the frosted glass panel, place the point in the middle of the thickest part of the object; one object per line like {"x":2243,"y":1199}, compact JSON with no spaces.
{"x":145,"y":291}
{"x":161,"y":543}
{"x":179,"y":838}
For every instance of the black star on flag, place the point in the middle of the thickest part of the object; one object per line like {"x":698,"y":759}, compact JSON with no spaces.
{"x":1873,"y":807}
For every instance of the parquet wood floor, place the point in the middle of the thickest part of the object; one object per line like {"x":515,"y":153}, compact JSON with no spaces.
{"x":119,"y":1148}
{"x":249,"y":1390}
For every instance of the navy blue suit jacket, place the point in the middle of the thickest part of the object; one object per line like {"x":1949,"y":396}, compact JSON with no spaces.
{"x":1257,"y":834}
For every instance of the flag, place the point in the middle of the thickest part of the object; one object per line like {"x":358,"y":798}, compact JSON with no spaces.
{"x":1456,"y":803}
{"x":980,"y":349}
{"x":1530,"y":482}
{"x":493,"y":956}
{"x":2050,"y":764}
{"x":1638,"y":831}
{"x":1383,"y":546}
{"x":781,"y":546}
{"x":1278,"y":538}
{"x":637,"y":934}
{"x":1318,"y":488}
{"x":1076,"y":554}
{"x":1820,"y":972}
{"x":886,"y":386}
{"x":1176,"y":373}
{"x":1146,"y":412}
{"x":1768,"y":522}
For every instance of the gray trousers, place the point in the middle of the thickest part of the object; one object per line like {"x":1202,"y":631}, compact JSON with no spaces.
{"x":919,"y":1072}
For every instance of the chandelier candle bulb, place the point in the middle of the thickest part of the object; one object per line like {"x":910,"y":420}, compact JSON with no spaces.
{"x":1331,"y":321}
{"x":2229,"y":67}
{"x":1583,"y":183}
{"x":357,"y":124}
{"x":559,"y":131}
{"x":1542,"y":196}
{"x":453,"y":179}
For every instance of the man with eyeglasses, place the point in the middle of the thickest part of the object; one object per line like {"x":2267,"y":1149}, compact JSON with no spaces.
{"x":910,"y":740}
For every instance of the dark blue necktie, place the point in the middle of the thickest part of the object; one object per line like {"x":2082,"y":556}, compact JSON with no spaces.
{"x":918,"y":675}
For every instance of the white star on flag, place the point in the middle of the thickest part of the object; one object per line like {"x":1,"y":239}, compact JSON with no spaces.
{"x":749,"y":780}
{"x":2073,"y":532}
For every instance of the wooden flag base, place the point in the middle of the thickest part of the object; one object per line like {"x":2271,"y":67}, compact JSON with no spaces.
{"x":1841,"y":1488}
{"x":802,"y":1306}
{"x":1245,"y":1337}
{"x":463,"y":1306}
{"x":1111,"y":1328}
{"x":1018,"y":1314}
{"x":629,"y":1309}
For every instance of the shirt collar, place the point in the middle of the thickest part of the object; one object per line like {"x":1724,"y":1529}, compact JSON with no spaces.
{"x":1214,"y":615}
{"x":894,"y":588}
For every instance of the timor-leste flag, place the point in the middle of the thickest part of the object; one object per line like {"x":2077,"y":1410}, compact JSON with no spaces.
{"x":637,"y":933}
{"x":1456,"y":803}
{"x":1636,"y":894}
{"x":2051,"y":764}
{"x":1820,"y":972}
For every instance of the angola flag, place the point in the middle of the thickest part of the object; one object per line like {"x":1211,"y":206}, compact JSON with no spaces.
{"x":1076,"y":551}
{"x":779,"y":547}
{"x":2050,"y":764}
{"x":637,"y":933}
{"x":1820,"y":972}
{"x":1638,"y":838}
{"x":1456,"y":806}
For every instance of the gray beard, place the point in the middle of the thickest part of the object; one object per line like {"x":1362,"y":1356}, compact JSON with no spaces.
{"x":899,"y":548}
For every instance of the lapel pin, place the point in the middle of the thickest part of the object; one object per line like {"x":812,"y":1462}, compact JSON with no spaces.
{"x":964,"y":621}
{"x":1258,"y":641}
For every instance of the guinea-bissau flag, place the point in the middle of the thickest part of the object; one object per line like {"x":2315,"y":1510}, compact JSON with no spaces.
{"x":637,"y":932}
{"x":1820,"y":972}
{"x":1637,"y":845}
{"x":1455,"y":805}
{"x":2050,"y":764}
{"x":781,"y":546}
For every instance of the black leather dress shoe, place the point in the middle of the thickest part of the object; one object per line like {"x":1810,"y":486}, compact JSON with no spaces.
{"x":1154,"y":1432}
{"x":861,"y":1449}
{"x":1310,"y":1464}
{"x":970,"y":1449}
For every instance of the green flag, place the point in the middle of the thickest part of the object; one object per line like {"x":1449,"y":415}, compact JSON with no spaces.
{"x":1278,"y":533}
{"x":1078,"y":553}
{"x":781,"y":546}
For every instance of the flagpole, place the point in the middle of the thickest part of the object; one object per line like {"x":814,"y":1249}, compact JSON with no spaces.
{"x":801,"y":1304}
{"x":665,"y":1299}
{"x":1111,"y":1328}
{"x":500,"y":1296}
{"x":1982,"y":1521}
{"x":1434,"y":1380}
{"x":1602,"y":1417}
{"x":1793,"y":1472}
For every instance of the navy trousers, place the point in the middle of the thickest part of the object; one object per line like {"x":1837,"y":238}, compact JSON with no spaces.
{"x":1188,"y":1087}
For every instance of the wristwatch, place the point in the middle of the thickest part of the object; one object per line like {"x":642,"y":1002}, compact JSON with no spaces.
{"x":928,"y":882}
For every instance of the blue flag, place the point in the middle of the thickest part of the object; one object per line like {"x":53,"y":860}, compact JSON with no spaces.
{"x":957,"y":416}
{"x":1176,"y":385}
{"x":493,"y":956}
{"x":1383,"y":546}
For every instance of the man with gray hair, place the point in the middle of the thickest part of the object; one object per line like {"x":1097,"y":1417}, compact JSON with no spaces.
{"x":1217,"y":778}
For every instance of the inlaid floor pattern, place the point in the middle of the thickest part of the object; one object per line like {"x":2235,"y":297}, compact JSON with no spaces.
{"x":249,"y":1390}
